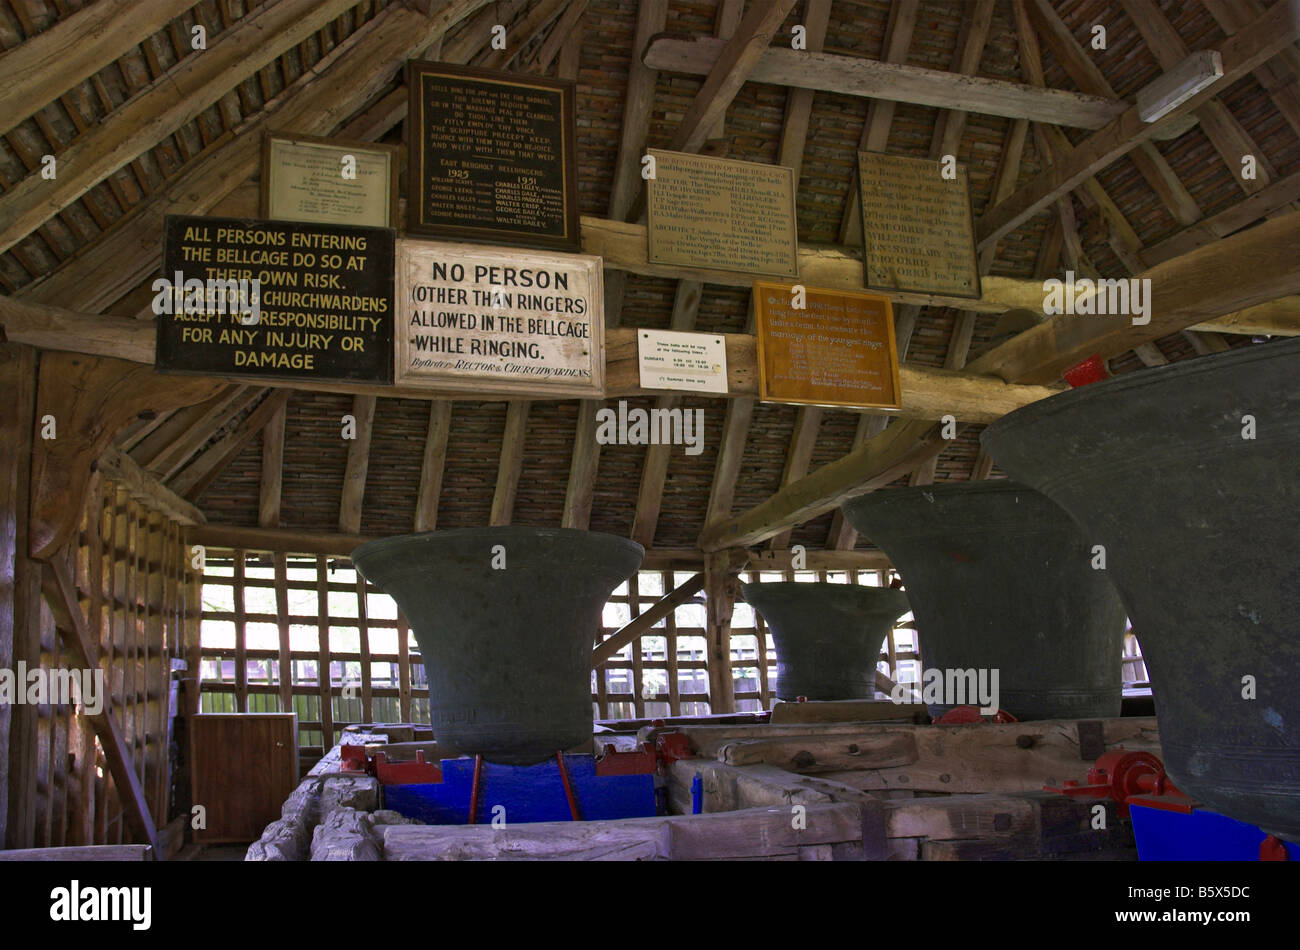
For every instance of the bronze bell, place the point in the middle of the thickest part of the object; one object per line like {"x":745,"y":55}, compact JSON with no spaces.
{"x":505,"y":618}
{"x":1001,"y":579}
{"x":1189,"y":476}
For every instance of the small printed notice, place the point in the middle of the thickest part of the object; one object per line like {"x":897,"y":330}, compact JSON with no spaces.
{"x":917,"y":230}
{"x":835,"y":349}
{"x":722,"y":214}
{"x":492,"y":319}
{"x":670,"y":359}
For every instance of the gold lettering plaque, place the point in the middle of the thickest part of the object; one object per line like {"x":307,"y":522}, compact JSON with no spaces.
{"x":836,"y":350}
{"x":329,"y":181}
{"x":917,"y":230}
{"x":721,"y":214}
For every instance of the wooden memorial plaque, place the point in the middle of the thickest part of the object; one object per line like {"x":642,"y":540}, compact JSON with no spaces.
{"x":917,"y":231}
{"x":722,"y":214}
{"x":838,"y":350}
{"x":324,"y":300}
{"x":489,"y":319}
{"x":329,"y":181}
{"x":492,"y":157}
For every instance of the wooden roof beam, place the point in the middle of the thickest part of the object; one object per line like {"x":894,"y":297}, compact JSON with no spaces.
{"x":1225,"y":133}
{"x":728,"y":71}
{"x":880,"y":113}
{"x":1246,"y":269}
{"x":524,"y":32}
{"x":852,"y":76}
{"x":72,"y":50}
{"x":200,"y":473}
{"x":268,"y":496}
{"x":432,"y":465}
{"x":358,"y":464}
{"x":1255,"y":44}
{"x":510,"y":465}
{"x":175,"y":98}
{"x":145,"y":487}
{"x":1183,"y":292}
{"x":353,"y":74}
{"x":1088,"y":77}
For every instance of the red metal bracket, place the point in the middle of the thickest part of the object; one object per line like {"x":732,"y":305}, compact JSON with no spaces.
{"x":964,"y":715}
{"x":1129,"y":778}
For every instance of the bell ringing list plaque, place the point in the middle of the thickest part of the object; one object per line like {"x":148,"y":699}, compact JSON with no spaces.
{"x":917,"y":230}
{"x":836,"y":350}
{"x":492,"y":157}
{"x":721,"y":214}
{"x":323,"y":295}
{"x":488,"y":319}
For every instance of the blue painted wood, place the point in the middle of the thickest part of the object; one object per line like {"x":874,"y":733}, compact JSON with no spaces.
{"x":1203,"y":835}
{"x":527,"y":793}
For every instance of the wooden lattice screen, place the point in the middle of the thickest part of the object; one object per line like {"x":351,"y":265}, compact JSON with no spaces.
{"x":264,"y":612}
{"x":130,"y":570}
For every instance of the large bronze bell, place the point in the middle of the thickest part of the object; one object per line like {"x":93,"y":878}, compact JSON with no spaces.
{"x":1189,"y":475}
{"x":505,"y":618}
{"x":827,"y":636}
{"x":1000,"y":579}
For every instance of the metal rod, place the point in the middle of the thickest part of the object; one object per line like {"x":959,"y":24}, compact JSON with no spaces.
{"x":568,"y":788}
{"x":474,"y":789}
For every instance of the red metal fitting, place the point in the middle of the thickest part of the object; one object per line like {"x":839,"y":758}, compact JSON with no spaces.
{"x":1091,"y":370}
{"x":1129,"y":778}
{"x":965,"y":715}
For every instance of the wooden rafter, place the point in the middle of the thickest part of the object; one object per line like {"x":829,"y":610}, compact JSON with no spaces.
{"x":145,"y":487}
{"x":1085,"y":73}
{"x":355,"y":73}
{"x":1225,"y":133}
{"x":849,"y":75}
{"x":510,"y":465}
{"x":200,"y":473}
{"x":194,"y":84}
{"x":431,"y":465}
{"x":358,"y":464}
{"x":1255,"y":44}
{"x":728,"y":72}
{"x":268,"y":497}
{"x":519,"y":35}
{"x":75,"y":48}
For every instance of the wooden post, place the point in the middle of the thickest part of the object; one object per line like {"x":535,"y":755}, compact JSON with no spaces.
{"x":323,"y":677}
{"x":720,"y":601}
{"x":670,"y":652}
{"x":19,"y":584}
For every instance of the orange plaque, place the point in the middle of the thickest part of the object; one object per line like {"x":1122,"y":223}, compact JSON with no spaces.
{"x":836,"y":350}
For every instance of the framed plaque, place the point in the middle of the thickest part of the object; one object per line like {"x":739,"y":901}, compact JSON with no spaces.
{"x":837,"y":349}
{"x":722,"y":214}
{"x":492,"y":319}
{"x":917,"y":230}
{"x":322,"y":293}
{"x":329,"y":181}
{"x":492,"y":157}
